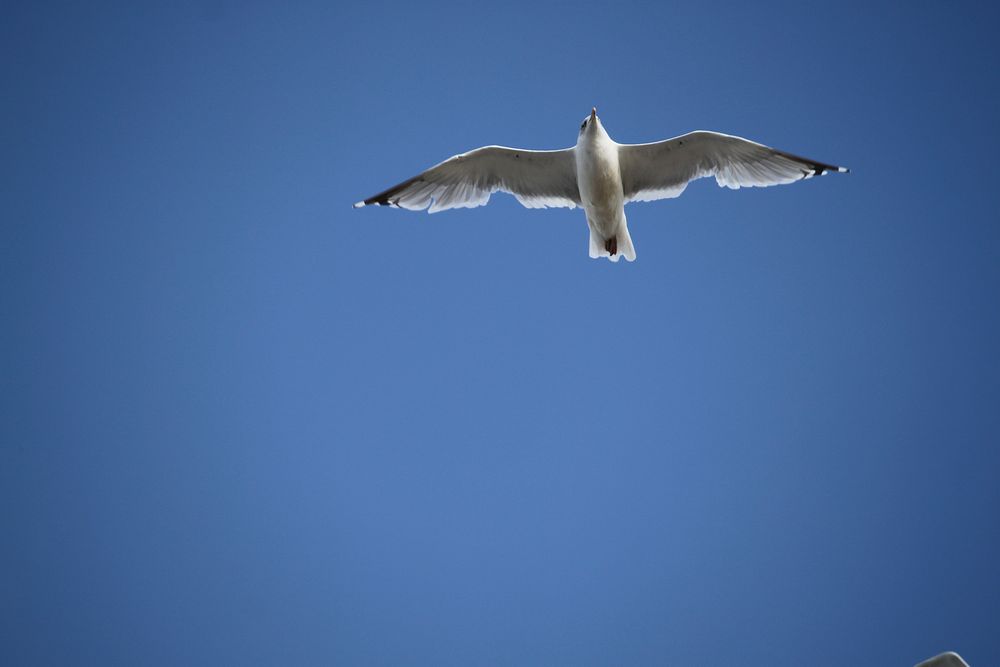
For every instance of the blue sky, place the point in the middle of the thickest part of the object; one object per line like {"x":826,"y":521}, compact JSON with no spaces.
{"x":243,"y":423}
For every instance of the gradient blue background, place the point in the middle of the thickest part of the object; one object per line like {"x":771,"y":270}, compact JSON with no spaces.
{"x":243,"y":423}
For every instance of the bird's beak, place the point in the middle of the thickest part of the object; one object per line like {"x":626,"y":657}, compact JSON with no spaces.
{"x":593,"y":113}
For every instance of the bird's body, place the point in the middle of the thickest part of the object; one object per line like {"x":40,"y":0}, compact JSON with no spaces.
{"x":599,"y":175}
{"x":599,"y":178}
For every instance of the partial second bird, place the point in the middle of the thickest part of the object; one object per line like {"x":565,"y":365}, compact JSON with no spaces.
{"x":600,"y":176}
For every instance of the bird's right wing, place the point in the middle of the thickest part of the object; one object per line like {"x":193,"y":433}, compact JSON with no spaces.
{"x":663,"y":169}
{"x":539,"y":179}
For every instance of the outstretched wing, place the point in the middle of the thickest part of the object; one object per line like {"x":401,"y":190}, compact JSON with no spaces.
{"x":663,"y":169}
{"x":539,"y":179}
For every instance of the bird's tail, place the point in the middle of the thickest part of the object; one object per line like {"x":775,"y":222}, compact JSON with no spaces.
{"x":621,"y":245}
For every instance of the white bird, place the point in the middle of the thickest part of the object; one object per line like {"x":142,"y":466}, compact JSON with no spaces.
{"x":599,"y":175}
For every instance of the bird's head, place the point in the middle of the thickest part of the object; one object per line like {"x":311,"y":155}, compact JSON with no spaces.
{"x":591,"y":123}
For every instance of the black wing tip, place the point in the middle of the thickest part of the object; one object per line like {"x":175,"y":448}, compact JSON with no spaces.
{"x":388,"y":197}
{"x":383,"y":201}
{"x":814,"y":168}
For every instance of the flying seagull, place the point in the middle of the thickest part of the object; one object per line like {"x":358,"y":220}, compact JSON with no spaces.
{"x":599,"y":175}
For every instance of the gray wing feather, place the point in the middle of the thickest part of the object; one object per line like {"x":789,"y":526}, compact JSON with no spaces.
{"x":663,"y":169}
{"x":947,"y":659}
{"x":538,"y":179}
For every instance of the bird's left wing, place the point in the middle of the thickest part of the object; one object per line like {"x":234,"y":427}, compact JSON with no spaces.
{"x":539,"y":179}
{"x":663,"y":169}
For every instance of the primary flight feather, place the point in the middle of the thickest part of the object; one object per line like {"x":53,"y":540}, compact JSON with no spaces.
{"x":599,"y":175}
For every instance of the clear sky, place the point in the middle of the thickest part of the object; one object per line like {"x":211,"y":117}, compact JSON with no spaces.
{"x":243,"y":423}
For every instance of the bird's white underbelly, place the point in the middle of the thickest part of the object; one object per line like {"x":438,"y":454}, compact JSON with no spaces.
{"x":600,"y":183}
